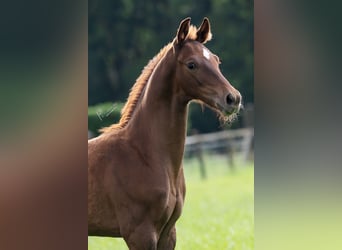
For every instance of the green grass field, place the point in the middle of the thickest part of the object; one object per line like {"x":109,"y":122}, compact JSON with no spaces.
{"x":218,"y":212}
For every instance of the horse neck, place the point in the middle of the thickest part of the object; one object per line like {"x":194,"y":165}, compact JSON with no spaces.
{"x":158,"y":125}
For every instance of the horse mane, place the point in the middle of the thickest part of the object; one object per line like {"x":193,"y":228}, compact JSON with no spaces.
{"x":142,"y":80}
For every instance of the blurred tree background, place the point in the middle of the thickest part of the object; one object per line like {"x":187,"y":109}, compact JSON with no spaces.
{"x":125,"y":34}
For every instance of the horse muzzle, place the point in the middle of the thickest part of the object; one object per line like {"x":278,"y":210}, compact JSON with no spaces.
{"x":232,"y":103}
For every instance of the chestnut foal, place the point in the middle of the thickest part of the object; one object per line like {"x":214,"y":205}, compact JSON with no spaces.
{"x":136,"y":182}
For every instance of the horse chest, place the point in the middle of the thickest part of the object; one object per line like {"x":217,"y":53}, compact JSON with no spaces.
{"x":174,"y":203}
{"x":171,"y":211}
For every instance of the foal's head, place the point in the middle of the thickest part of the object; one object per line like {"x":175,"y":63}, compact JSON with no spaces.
{"x":197,"y":71}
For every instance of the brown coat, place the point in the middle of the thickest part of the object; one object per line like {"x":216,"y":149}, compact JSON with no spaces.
{"x":136,"y":185}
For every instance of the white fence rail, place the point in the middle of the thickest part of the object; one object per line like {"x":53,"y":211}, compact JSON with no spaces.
{"x":230,"y":142}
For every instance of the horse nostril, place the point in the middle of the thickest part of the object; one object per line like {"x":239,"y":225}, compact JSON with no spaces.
{"x":230,"y":99}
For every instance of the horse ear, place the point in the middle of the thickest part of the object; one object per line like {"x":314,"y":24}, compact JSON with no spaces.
{"x":183,"y":30}
{"x":203,"y":32}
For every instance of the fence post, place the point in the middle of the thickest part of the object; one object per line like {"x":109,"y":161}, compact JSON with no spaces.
{"x":199,"y":153}
{"x":230,"y":154}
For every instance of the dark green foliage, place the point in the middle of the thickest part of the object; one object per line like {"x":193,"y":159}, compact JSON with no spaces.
{"x":203,"y":120}
{"x":103,"y":115}
{"x":206,"y":120}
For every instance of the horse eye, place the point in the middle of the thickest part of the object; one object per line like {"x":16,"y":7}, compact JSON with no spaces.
{"x":191,"y":65}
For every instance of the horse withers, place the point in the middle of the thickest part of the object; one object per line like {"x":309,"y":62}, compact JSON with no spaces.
{"x":136,"y":185}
